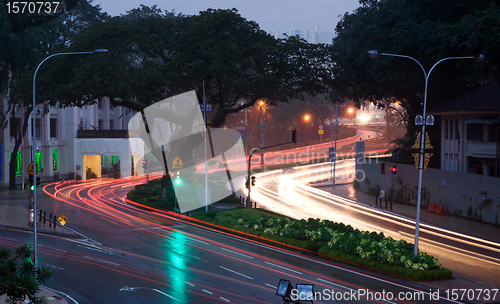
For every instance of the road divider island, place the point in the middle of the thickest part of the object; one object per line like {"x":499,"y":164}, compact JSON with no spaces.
{"x":332,"y":240}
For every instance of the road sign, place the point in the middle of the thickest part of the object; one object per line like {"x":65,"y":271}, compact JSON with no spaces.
{"x":429,"y":120}
{"x":30,"y":169}
{"x":62,"y":219}
{"x":320,"y":127}
{"x":419,"y":120}
{"x":321,"y":131}
{"x":331,"y":154}
{"x":177,"y":163}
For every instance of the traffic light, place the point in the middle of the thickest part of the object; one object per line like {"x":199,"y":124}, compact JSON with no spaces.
{"x":32,"y":187}
{"x":253,"y":180}
{"x":394,"y":170}
{"x":144,"y":162}
{"x":247,"y":183}
{"x":178,"y":179}
{"x":382,"y":168}
{"x":294,"y":136}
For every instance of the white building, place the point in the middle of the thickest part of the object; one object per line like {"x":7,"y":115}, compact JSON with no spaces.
{"x":71,"y":141}
{"x":470,"y":134}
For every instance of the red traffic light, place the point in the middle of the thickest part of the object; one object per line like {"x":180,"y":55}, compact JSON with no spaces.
{"x":394,"y":170}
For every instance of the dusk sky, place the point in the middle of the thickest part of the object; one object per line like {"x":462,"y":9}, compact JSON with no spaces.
{"x":270,"y":14}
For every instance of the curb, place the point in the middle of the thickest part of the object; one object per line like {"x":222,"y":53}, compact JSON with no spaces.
{"x":40,"y":231}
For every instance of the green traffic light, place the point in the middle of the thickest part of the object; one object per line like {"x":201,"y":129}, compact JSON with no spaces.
{"x":32,"y":187}
{"x":177,"y":181}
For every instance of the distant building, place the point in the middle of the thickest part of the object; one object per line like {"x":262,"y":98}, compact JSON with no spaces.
{"x":470,"y":131}
{"x":311,"y":35}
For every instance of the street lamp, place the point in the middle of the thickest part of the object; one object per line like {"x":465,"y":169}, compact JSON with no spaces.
{"x":375,"y":54}
{"x":35,"y":240}
{"x":333,"y":140}
{"x":262,"y":125}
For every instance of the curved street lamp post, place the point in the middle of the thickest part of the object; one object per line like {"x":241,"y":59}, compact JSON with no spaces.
{"x":375,"y":54}
{"x":35,"y":228}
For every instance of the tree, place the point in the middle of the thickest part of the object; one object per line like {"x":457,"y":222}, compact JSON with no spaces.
{"x":22,"y":50}
{"x":425,"y":30}
{"x":18,"y":277}
{"x":155,"y":54}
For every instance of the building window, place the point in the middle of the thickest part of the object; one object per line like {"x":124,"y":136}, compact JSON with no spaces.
{"x":53,"y":127}
{"x":493,"y":132}
{"x":474,"y":132}
{"x":474,"y":165}
{"x":446,"y":129}
{"x":15,"y":127}
{"x":39,"y":162}
{"x":55,"y":160}
{"x":19,"y":163}
{"x":38,"y":129}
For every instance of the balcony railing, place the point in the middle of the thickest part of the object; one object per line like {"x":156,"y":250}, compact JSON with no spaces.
{"x":102,"y":134}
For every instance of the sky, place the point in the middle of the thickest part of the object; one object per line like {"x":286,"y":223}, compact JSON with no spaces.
{"x":269,"y":14}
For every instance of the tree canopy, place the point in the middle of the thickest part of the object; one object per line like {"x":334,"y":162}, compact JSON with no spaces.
{"x":155,"y":54}
{"x":425,"y":30}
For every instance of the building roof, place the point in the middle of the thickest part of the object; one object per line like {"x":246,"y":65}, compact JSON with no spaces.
{"x":485,"y":99}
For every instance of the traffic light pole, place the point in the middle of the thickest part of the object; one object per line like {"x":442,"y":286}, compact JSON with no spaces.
{"x":249,"y":182}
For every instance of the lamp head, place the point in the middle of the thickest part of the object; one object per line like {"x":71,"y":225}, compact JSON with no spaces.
{"x":101,"y":51}
{"x":479,"y":58}
{"x":373,"y":54}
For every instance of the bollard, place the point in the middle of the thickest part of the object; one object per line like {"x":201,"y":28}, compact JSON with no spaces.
{"x":40,"y":217}
{"x":255,"y":204}
{"x":376,"y":201}
{"x":55,"y":217}
{"x":30,"y":222}
{"x":50,"y":220}
{"x":386,"y":203}
{"x":44,"y":217}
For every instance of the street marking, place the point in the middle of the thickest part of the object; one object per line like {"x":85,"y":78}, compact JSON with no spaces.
{"x":207,"y":291}
{"x":224,"y":299}
{"x":101,"y":260}
{"x":273,"y":287}
{"x":236,"y":273}
{"x":334,"y":284}
{"x":126,"y":288}
{"x":284,"y":268}
{"x":197,"y":240}
{"x":192,"y":285}
{"x":237,"y":253}
{"x":97,"y":249}
{"x":52,"y":266}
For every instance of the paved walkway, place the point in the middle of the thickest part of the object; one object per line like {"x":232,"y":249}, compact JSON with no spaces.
{"x":15,"y":214}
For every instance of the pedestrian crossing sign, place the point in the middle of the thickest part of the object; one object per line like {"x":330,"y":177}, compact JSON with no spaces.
{"x":177,"y":163}
{"x":62,"y":219}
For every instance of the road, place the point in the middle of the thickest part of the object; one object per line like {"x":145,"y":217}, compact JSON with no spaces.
{"x":286,"y":192}
{"x":130,"y":255}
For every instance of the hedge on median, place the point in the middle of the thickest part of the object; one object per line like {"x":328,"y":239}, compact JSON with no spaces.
{"x":336,"y":241}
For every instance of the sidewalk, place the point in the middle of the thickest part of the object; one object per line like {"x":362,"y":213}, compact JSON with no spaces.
{"x":14,"y":214}
{"x":449,"y":222}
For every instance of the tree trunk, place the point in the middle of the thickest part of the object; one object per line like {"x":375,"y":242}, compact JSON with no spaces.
{"x":17,"y":144}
